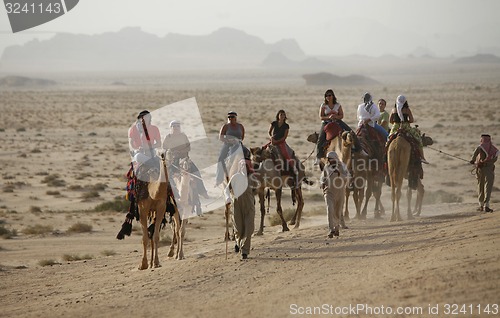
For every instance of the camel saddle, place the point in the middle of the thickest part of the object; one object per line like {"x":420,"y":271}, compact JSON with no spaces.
{"x":372,"y":143}
{"x":332,"y":130}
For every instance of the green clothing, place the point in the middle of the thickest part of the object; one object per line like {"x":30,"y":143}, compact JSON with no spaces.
{"x":383,"y":120}
{"x":414,"y":132}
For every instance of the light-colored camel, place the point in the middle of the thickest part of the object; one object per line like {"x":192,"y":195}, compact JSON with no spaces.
{"x":356,"y":163}
{"x":154,"y":206}
{"x":267,"y":175}
{"x":398,"y":159}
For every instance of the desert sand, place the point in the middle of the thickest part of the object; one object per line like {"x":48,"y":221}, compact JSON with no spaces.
{"x":64,"y":152}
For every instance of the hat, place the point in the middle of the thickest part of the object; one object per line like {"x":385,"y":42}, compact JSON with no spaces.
{"x":175,"y":123}
{"x":485,"y":135}
{"x":231,"y":113}
{"x":400,"y":101}
{"x":332,"y":155}
{"x":142,"y":114}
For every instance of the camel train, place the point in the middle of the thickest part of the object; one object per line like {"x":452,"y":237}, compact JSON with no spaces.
{"x":367,"y":175}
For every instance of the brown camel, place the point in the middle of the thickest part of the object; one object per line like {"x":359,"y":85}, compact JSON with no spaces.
{"x":356,"y":163}
{"x":398,"y":158}
{"x":374,"y":171}
{"x":268,"y":174}
{"x":152,"y":204}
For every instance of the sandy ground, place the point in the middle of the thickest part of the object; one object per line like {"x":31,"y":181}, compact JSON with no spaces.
{"x":77,"y":131}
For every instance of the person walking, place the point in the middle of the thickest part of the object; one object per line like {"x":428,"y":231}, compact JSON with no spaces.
{"x":484,"y":157}
{"x":334,"y":179}
{"x":239,"y":192}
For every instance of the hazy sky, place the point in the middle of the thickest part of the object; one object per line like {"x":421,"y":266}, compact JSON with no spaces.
{"x":321,"y":27}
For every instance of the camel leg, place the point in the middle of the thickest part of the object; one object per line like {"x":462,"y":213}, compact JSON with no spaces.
{"x":345,"y":216}
{"x":279,"y":209}
{"x":294,"y":195}
{"x":408,"y":196}
{"x":180,"y":243}
{"x":174,"y":241}
{"x":262,"y":211}
{"x":377,"y":192}
{"x":368,"y":195}
{"x":420,"y":198}
{"x":300,"y":206}
{"x":145,"y":240}
{"x":156,"y":240}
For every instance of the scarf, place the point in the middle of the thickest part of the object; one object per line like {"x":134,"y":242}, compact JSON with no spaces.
{"x":489,"y":149}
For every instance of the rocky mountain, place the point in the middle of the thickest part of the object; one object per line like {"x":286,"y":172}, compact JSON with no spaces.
{"x":324,"y":78}
{"x":478,"y":59}
{"x":132,"y":49}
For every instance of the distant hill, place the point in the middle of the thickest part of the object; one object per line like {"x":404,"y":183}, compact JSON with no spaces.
{"x":478,"y":59}
{"x":324,"y":78}
{"x":21,"y":81}
{"x":279,"y":60}
{"x":132,"y":49}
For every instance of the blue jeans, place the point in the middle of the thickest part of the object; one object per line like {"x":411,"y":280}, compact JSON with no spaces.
{"x":381,"y":130}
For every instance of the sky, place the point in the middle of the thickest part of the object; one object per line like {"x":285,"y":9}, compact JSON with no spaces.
{"x":321,"y":27}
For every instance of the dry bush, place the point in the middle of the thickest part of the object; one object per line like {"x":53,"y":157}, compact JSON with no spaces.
{"x":108,"y":253}
{"x":75,"y":187}
{"x":119,"y":204}
{"x":90,"y":195}
{"x":52,"y":180}
{"x":75,"y":257}
{"x":37,"y":229}
{"x":80,"y":228}
{"x":9,"y":188}
{"x":48,"y":262}
{"x":36,"y":150}
{"x":51,"y":192}
{"x":5,"y":233}
{"x":35,"y":209}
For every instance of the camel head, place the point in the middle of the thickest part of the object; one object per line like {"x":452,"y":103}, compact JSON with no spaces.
{"x":260,"y":154}
{"x":426,"y":140}
{"x":349,"y":138}
{"x":313,"y":137}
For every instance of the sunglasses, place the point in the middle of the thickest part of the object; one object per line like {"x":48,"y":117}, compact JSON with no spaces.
{"x":231,"y":116}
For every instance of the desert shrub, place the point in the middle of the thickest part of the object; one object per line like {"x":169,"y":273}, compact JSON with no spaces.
{"x":119,"y":204}
{"x":75,"y":187}
{"x":37,"y":229}
{"x":98,"y":187}
{"x":90,"y":195}
{"x":80,"y":228}
{"x":9,"y":188}
{"x":21,"y":129}
{"x":51,"y":192}
{"x":108,"y":253}
{"x":75,"y":257}
{"x":52,"y":180}
{"x":36,"y":150}
{"x":35,"y":209}
{"x":5,"y":233}
{"x":48,"y":262}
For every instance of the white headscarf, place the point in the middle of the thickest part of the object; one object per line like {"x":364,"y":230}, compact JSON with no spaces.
{"x":400,"y":102}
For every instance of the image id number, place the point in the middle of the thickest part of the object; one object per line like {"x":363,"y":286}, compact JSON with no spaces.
{"x":15,"y":7}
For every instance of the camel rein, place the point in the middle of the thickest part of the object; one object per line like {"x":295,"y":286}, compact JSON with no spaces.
{"x":473,"y":171}
{"x":302,"y":161}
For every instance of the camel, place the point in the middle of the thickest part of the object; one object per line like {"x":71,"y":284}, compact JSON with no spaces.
{"x":152,"y":200}
{"x":355,"y":161}
{"x":374,"y":175}
{"x":398,"y":159}
{"x":268,"y":175}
